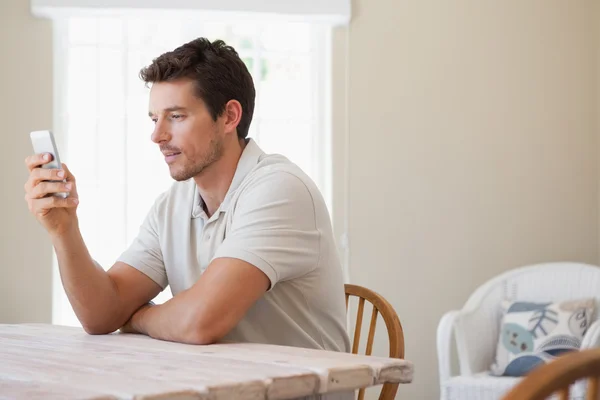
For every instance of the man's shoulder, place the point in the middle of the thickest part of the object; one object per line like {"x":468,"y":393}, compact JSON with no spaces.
{"x":276,"y":185}
{"x":275,"y":171}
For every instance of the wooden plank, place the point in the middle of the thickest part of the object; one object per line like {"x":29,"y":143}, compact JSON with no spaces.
{"x":19,"y":389}
{"x":219,"y":378}
{"x":127,"y":366}
{"x":316,"y":360}
{"x":65,"y":374}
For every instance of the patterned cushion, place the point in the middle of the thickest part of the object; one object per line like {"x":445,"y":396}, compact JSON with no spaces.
{"x":534,"y":333}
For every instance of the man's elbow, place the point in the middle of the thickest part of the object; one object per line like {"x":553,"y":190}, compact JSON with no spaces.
{"x":199,"y":338}
{"x":98,"y":329}
{"x":99,"y":326}
{"x":201,"y":332}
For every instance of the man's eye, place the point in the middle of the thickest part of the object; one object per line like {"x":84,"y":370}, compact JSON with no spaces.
{"x":176,"y":116}
{"x":154,"y":120}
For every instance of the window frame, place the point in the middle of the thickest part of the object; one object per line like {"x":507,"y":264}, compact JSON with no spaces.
{"x":321,"y":36}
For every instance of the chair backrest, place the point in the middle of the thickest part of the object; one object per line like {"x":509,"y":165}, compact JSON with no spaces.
{"x":392,"y":323}
{"x":557,"y":376}
{"x":541,"y":282}
{"x":557,"y":281}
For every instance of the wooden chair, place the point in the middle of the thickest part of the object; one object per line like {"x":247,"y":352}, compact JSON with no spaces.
{"x":392,"y":323}
{"x":557,"y":376}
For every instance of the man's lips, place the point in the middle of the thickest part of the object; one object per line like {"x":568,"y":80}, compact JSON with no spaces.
{"x":170,"y":156}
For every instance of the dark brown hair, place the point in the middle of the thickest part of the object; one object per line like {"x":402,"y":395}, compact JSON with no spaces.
{"x":218,"y":71}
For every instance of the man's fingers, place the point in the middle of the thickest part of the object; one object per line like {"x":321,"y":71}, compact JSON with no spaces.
{"x":43,"y":189}
{"x":37,"y":160}
{"x":42,"y":174}
{"x":43,"y":205}
{"x":68,"y":175}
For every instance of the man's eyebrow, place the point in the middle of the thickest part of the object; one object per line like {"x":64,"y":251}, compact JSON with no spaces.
{"x":168,"y":109}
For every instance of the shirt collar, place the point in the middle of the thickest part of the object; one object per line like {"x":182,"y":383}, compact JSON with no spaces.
{"x":251,"y":155}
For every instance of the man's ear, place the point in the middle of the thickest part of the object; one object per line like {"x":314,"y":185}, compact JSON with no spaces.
{"x":233,"y":115}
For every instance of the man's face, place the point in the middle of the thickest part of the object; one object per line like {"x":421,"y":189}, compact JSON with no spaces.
{"x":187,"y":135}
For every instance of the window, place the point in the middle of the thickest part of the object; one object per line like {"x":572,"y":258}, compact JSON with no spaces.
{"x":104,"y":131}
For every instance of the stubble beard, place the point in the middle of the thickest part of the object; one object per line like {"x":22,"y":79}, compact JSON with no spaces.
{"x":195,"y":168}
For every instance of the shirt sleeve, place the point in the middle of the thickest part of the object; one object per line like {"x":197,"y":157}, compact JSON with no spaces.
{"x":274,"y":228}
{"x":144,"y":253}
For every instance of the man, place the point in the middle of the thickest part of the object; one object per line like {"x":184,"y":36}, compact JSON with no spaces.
{"x":242,"y":238}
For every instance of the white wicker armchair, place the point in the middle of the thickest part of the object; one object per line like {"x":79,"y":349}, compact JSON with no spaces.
{"x":476,"y":325}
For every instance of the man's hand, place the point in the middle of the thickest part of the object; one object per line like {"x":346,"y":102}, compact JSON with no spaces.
{"x":54,"y":213}
{"x":101,"y":300}
{"x":135,"y":324}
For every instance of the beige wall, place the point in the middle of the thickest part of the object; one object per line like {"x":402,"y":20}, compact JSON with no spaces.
{"x":472,"y":138}
{"x":473,"y":148}
{"x":25,"y":105}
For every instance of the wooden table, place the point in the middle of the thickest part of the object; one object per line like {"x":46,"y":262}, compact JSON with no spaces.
{"x":55,"y":362}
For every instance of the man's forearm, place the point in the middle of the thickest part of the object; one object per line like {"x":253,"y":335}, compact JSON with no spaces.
{"x":174,"y":321}
{"x":206,"y":312}
{"x":90,"y":290}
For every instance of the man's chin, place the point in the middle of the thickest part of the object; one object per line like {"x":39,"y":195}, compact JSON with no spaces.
{"x":179,"y":176}
{"x":184,"y":174}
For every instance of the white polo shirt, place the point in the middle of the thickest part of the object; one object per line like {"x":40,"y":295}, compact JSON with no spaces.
{"x":272,"y":217}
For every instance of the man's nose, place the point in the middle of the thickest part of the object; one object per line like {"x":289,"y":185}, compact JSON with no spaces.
{"x":160,"y":133}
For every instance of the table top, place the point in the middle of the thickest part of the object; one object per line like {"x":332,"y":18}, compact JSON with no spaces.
{"x":52,"y":362}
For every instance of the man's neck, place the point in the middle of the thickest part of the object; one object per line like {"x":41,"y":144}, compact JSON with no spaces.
{"x":214,"y":182}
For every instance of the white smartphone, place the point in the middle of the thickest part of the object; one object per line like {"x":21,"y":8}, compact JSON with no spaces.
{"x":43,"y":142}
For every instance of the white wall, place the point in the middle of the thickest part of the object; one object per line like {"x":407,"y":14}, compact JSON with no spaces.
{"x":472,"y":137}
{"x":473,"y":149}
{"x":25,"y":104}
